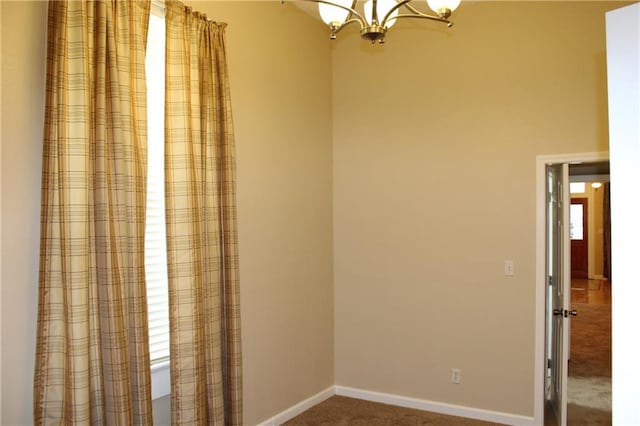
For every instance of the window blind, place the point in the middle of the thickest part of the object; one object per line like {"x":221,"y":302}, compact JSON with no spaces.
{"x":155,"y":229}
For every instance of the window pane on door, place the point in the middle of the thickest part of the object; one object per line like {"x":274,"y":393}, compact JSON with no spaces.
{"x":575,"y":217}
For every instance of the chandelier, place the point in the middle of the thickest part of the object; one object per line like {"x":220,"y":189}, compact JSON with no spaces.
{"x":377,"y":16}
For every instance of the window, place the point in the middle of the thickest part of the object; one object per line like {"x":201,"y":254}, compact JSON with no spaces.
{"x":577,"y":187}
{"x":155,"y":230}
{"x":576,"y":231}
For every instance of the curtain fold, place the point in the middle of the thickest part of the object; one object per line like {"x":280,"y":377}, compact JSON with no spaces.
{"x":92,"y":359}
{"x":204,"y":306}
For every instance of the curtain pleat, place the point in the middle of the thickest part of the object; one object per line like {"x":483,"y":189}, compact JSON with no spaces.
{"x":206,"y":381}
{"x":92,"y":359}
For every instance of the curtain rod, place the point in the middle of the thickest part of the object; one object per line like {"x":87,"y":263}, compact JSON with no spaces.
{"x":159,"y":4}
{"x":161,"y":8}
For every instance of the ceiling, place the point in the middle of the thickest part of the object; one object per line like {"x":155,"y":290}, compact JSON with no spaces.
{"x":306,"y":6}
{"x":588,"y":172}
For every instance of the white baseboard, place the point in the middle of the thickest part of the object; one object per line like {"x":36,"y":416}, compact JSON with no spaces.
{"x":299,"y":408}
{"x":436,"y":407}
{"x":400,"y":401}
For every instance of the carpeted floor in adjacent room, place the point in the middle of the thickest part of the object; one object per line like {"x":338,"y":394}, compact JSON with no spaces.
{"x":589,"y":387}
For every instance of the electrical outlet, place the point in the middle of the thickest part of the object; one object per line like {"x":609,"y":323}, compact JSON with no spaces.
{"x":456,"y":375}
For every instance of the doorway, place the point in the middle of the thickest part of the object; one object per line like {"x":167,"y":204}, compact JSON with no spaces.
{"x":553,"y":325}
{"x":589,"y":365}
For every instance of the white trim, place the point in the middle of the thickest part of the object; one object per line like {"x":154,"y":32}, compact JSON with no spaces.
{"x":160,"y":380}
{"x":299,"y":408}
{"x":589,"y":178}
{"x":539,"y":344}
{"x":437,"y":407}
{"x":400,"y":401}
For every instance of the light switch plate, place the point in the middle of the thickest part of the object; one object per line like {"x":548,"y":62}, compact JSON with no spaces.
{"x":508,"y":268}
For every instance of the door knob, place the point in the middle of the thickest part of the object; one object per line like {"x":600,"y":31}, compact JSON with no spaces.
{"x":565,"y":313}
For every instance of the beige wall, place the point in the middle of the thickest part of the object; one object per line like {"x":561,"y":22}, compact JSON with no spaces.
{"x":22,"y":108}
{"x":419,"y":124}
{"x":281,"y":90}
{"x":279,"y":62}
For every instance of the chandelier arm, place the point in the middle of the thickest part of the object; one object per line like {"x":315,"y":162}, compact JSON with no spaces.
{"x":423,"y":16}
{"x":374,"y":13}
{"x":394,"y":8}
{"x":345,"y":23}
{"x":443,"y":18}
{"x":349,"y":19}
{"x":354,"y":3}
{"x":413,"y":9}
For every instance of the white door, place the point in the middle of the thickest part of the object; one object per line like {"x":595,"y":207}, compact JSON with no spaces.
{"x":623,"y":75}
{"x":558,"y":288}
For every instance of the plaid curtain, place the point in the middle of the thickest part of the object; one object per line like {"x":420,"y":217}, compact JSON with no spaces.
{"x":206,"y":382}
{"x":92,"y":359}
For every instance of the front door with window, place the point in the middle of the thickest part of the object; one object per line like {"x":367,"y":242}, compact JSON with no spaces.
{"x":579,"y":238}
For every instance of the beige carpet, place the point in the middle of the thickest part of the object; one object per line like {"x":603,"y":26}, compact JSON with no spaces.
{"x":343,"y":411}
{"x":591,"y":341}
{"x":593,"y":392}
{"x":589,"y":387}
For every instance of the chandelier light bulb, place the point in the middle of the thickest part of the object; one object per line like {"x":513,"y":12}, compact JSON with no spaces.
{"x":443,"y":6}
{"x":383,"y":7}
{"x":332,"y":14}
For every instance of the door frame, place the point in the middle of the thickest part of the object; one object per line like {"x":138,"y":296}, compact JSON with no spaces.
{"x":541,"y":279}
